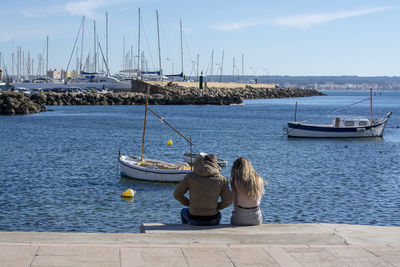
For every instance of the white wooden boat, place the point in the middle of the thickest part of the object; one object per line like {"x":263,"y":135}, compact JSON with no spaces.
{"x":152,"y":170}
{"x":340,"y":128}
{"x":189,"y":158}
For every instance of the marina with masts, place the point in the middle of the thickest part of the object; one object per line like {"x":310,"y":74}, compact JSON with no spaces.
{"x":91,"y":70}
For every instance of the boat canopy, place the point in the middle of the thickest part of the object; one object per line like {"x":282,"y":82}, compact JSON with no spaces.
{"x":350,"y":122}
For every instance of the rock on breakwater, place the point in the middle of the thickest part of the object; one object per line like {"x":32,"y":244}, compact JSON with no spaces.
{"x":17,"y":103}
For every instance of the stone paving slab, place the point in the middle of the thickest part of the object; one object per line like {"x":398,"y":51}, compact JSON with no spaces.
{"x":177,"y":245}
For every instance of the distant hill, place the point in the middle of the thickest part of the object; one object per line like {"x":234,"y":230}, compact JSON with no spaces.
{"x":319,"y":82}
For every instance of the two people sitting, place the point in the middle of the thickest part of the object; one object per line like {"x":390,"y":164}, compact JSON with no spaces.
{"x":206,"y":185}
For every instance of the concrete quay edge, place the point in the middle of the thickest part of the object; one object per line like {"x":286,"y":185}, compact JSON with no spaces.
{"x":223,"y":245}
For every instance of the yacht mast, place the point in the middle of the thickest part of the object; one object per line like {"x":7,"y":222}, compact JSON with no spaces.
{"x":83,"y":31}
{"x":138,"y":68}
{"x":212,"y":65}
{"x":108,"y":74}
{"x":197,"y":71}
{"x":47,"y":54}
{"x":181,"y":46}
{"x":159,"y":49}
{"x":94,"y":47}
{"x":242,"y":63}
{"x":222,"y":66}
{"x":123,"y":56}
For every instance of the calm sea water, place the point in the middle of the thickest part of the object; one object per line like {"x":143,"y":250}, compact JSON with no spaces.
{"x":59,"y":169}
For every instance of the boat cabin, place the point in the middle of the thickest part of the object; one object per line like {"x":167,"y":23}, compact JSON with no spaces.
{"x":350,"y":122}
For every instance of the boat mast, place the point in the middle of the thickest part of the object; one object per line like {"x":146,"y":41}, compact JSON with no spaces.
{"x":197,"y":71}
{"x":180,"y":21}
{"x":108,"y":74}
{"x":242,"y":64}
{"x":145,"y":119}
{"x":159,"y":49}
{"x":138,"y":68}
{"x":94,"y":47}
{"x":212,"y":65}
{"x":123,"y":55}
{"x":47,"y":54}
{"x":371,"y":104}
{"x":222,"y":66}
{"x":83,"y":30}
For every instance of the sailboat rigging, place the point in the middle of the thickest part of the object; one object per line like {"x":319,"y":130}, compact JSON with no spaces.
{"x":150,"y":169}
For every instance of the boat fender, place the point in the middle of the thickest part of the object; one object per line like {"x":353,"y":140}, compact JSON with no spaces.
{"x":129,"y":193}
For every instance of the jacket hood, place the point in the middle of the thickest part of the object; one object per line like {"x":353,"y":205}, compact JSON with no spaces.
{"x":205,"y":168}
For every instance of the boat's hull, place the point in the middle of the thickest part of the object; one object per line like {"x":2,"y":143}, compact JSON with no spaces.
{"x":319,"y":131}
{"x":128,"y":167}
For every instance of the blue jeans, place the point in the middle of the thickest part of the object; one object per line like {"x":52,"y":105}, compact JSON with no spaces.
{"x":185,"y":216}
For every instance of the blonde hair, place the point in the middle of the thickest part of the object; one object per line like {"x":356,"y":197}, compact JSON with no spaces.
{"x":245,"y":179}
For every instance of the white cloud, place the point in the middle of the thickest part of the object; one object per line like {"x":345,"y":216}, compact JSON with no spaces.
{"x":239,"y":25}
{"x":40,"y":12}
{"x":301,"y":21}
{"x":85,"y":8}
{"x":306,"y":21}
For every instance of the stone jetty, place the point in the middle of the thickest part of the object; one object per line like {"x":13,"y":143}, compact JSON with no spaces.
{"x":15,"y":103}
{"x":18,"y":103}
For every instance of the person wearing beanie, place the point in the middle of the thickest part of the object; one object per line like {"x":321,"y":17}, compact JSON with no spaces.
{"x":205,"y":185}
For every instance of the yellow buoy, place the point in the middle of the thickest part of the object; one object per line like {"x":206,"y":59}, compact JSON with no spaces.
{"x":170,"y":142}
{"x":129,"y":193}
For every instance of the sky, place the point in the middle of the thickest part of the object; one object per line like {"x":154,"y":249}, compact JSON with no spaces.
{"x":296,"y":38}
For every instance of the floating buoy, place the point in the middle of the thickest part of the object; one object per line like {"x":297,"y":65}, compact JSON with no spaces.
{"x":170,"y":142}
{"x":129,"y":193}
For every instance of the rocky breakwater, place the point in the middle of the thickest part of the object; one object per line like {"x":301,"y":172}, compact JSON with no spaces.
{"x":12,"y":103}
{"x":17,"y":103}
{"x":249,"y":92}
{"x":172,"y":93}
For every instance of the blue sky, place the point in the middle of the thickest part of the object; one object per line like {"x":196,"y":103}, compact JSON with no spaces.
{"x":352,"y":37}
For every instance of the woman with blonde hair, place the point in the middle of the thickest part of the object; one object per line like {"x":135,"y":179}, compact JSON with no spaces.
{"x":247,"y":190}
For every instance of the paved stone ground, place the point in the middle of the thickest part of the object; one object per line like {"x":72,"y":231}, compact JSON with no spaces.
{"x":225,"y":245}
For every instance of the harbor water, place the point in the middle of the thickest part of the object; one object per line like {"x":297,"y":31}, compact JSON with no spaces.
{"x":59,"y":169}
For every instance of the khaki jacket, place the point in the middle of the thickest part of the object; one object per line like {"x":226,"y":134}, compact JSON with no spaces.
{"x":205,"y":186}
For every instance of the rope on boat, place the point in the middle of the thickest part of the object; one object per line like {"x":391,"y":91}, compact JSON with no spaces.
{"x":336,"y":110}
{"x":172,"y":127}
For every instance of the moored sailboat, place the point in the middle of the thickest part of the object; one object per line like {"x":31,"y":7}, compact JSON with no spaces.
{"x":150,"y":169}
{"x":340,"y":128}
